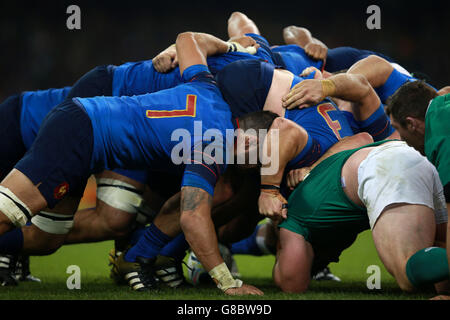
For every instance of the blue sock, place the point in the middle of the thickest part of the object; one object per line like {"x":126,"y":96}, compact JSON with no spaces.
{"x":11,"y":242}
{"x":176,"y":248}
{"x":136,"y":235}
{"x":377,"y":125}
{"x":248,"y":245}
{"x":149,"y":244}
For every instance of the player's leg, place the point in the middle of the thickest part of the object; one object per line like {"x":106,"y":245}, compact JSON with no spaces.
{"x":50,"y":227}
{"x":292,"y":269}
{"x":239,"y":24}
{"x":403,"y":195}
{"x":20,"y":199}
{"x":400,"y":232}
{"x":118,"y":200}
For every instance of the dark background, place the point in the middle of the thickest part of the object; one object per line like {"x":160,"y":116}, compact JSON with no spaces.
{"x":37,"y":51}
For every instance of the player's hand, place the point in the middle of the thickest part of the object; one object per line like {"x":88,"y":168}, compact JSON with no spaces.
{"x":316,"y":50}
{"x":246,"y":289}
{"x":272,"y":205}
{"x":166,"y":60}
{"x":294,"y":177}
{"x":444,"y":91}
{"x":304,"y":94}
{"x":307,"y":71}
{"x":244,"y":44}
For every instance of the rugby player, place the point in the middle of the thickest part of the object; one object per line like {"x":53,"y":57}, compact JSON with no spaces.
{"x":135,"y":132}
{"x":420,"y":115}
{"x":387,"y":187}
{"x":302,"y":50}
{"x":119,"y":192}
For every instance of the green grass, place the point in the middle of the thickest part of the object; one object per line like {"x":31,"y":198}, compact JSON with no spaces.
{"x":96,"y":284}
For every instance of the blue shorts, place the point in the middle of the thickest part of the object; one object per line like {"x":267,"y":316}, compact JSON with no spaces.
{"x":11,"y":143}
{"x":97,"y":82}
{"x":342,"y":58}
{"x":58,"y":162}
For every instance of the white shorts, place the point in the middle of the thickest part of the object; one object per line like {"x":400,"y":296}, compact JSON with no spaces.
{"x":396,"y":173}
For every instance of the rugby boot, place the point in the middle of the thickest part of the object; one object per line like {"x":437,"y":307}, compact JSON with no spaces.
{"x":7,"y":268}
{"x":139,"y":275}
{"x":169,"y":272}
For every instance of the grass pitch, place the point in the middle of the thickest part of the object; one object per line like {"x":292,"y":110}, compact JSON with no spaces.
{"x":96,"y":284}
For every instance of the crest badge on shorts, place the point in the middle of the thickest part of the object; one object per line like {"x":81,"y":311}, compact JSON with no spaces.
{"x":61,"y":190}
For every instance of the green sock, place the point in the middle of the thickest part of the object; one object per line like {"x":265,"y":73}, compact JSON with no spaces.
{"x":427,"y":266}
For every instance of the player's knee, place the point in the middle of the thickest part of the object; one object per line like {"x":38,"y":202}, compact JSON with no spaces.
{"x":292,"y":283}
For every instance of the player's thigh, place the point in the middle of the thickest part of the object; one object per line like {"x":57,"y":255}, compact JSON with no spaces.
{"x":400,"y":231}
{"x":118,"y":198}
{"x":292,"y":271}
{"x":50,"y":226}
{"x":239,"y":24}
{"x":24,"y":189}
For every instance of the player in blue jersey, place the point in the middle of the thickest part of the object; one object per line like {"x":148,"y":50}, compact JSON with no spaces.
{"x":85,"y":135}
{"x":302,"y":50}
{"x":335,"y":59}
{"x":292,"y":57}
{"x":16,"y":138}
{"x":26,"y":113}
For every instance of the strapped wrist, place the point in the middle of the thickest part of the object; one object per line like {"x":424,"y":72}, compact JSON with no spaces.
{"x":224,"y":279}
{"x":232,"y":47}
{"x":328,"y":88}
{"x":266,"y":186}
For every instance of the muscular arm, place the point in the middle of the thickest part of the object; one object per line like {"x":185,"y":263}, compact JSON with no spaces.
{"x":199,"y":231}
{"x":193,"y":48}
{"x":278,"y":152}
{"x":351,"y":87}
{"x":374,"y":68}
{"x":198,"y":227}
{"x":303,"y":38}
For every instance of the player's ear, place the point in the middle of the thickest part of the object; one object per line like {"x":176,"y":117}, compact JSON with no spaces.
{"x":410,"y":123}
{"x":413,"y":124}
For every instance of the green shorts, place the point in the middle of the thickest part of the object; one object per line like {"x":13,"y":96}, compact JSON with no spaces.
{"x":321,"y":212}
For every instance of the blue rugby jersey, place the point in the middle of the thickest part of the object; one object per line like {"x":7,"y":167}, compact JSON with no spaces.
{"x":295,"y":58}
{"x":137,"y":78}
{"x":35,"y":106}
{"x":137,"y":132}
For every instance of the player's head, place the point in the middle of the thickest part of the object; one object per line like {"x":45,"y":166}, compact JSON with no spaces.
{"x":245,"y":85}
{"x":407,"y":108}
{"x":251,"y":130}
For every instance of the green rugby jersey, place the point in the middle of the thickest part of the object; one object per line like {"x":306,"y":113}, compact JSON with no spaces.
{"x":437,"y":136}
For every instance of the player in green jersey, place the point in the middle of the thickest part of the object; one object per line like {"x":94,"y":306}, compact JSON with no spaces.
{"x":387,"y":187}
{"x":421,"y":116}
